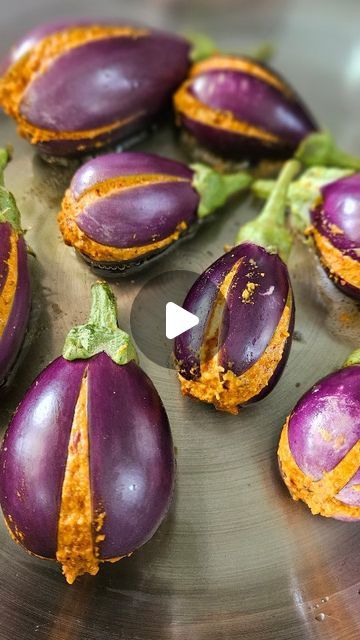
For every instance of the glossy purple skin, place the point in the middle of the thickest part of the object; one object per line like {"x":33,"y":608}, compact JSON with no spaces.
{"x":340,"y":210}
{"x":128,"y":163}
{"x":14,"y":332}
{"x":332,"y":405}
{"x":255,"y":102}
{"x":341,"y":207}
{"x":34,"y":453}
{"x":139,"y":215}
{"x":102,"y":82}
{"x":246,"y":97}
{"x":132,"y":460}
{"x":247,"y":328}
{"x":257,"y":320}
{"x":130,"y":452}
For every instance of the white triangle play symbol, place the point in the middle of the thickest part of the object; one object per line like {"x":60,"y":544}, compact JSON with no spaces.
{"x":178,"y":320}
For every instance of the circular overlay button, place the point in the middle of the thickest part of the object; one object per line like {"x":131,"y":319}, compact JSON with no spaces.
{"x":152,"y":317}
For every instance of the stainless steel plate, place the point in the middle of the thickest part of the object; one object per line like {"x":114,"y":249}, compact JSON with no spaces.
{"x":236,"y":558}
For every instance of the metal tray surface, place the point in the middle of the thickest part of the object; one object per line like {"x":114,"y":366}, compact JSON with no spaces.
{"x":236,"y":558}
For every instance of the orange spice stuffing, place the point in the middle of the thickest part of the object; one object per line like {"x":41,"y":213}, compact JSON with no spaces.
{"x":224,"y":389}
{"x":17,"y":78}
{"x":340,"y":267}
{"x":248,"y":292}
{"x":77,"y":238}
{"x":75,"y":546}
{"x":319,"y":495}
{"x":7,"y":294}
{"x":79,"y":529}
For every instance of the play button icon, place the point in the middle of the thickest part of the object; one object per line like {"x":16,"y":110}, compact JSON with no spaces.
{"x":178,"y":320}
{"x":158,"y":315}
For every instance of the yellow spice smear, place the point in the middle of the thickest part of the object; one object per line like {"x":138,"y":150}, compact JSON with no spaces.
{"x":75,"y":237}
{"x":8,"y":293}
{"x":319,"y":495}
{"x":75,"y":548}
{"x":16,"y":80}
{"x":341,"y":268}
{"x":187,"y":104}
{"x":224,"y":389}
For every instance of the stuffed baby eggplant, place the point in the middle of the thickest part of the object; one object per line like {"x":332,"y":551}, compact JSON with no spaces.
{"x":319,"y":449}
{"x":87,"y":463}
{"x":335,"y":229}
{"x":324,"y":204}
{"x":73,"y":86}
{"x":244,"y":301}
{"x":15,"y":295}
{"x":122,"y":210}
{"x":242,"y":110}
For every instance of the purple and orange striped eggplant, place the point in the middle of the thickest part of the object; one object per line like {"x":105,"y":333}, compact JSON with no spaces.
{"x":15,"y":295}
{"x":75,"y":86}
{"x":240,"y":109}
{"x":94,"y":475}
{"x":123,"y":210}
{"x":319,"y":449}
{"x":244,"y":301}
{"x":335,"y":229}
{"x":238,"y":351}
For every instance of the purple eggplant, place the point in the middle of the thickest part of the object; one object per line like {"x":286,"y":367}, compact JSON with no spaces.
{"x":75,"y":86}
{"x":237,"y":352}
{"x":241,"y":109}
{"x":15,"y":294}
{"x":87,"y":463}
{"x":122,"y":210}
{"x":319,"y":450}
{"x":335,"y":230}
{"x":325,"y":203}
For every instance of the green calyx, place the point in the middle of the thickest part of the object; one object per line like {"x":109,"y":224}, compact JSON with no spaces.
{"x":303,"y":194}
{"x":354,"y":358}
{"x":319,"y":149}
{"x":203,"y":47}
{"x":215,"y":188}
{"x":9,"y":211}
{"x":4,"y":159}
{"x":269,"y":229}
{"x":263,"y":53}
{"x":101,"y":332}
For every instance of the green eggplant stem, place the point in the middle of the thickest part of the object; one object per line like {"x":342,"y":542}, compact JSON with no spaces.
{"x":9,"y":211}
{"x":215,"y":188}
{"x":320,"y":149}
{"x":4,"y":159}
{"x":354,"y":358}
{"x":269,"y":229}
{"x":203,"y":47}
{"x":304,"y":192}
{"x":101,"y":332}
